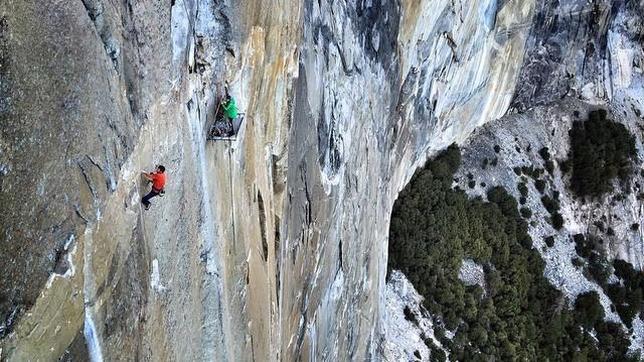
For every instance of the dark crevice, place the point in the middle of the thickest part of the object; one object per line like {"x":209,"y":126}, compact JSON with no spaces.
{"x":307,"y":195}
{"x":277,"y":256}
{"x":61,"y":264}
{"x":262,"y":225}
{"x":4,"y":67}
{"x":340,"y":255}
{"x":94,"y":163}
{"x":80,"y":214}
{"x":93,"y":10}
{"x":86,"y":177}
{"x":252,"y":347}
{"x":302,"y":331}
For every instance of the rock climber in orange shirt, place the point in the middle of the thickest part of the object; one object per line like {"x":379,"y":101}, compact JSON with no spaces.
{"x":158,"y":183}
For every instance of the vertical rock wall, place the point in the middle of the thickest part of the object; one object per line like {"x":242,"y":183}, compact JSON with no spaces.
{"x":272,"y":246}
{"x":79,"y":79}
{"x":195,"y":277}
{"x":274,"y":243}
{"x":381,"y":86}
{"x":245,"y":179}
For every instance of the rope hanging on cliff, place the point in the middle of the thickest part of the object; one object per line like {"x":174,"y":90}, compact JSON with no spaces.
{"x":232,"y":203}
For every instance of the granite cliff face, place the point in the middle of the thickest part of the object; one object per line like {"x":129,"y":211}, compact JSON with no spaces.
{"x":380,"y":105}
{"x":272,"y":246}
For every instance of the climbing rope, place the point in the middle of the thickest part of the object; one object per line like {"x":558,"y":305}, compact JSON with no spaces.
{"x":232,"y":193}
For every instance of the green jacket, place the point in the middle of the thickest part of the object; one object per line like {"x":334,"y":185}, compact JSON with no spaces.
{"x":230,"y":109}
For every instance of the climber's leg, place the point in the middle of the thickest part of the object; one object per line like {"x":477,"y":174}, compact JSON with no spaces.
{"x":146,"y":199}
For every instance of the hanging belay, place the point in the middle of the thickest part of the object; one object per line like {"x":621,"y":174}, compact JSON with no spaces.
{"x":228,"y":119}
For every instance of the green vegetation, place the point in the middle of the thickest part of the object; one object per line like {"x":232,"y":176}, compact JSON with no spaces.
{"x":528,"y":171}
{"x":601,"y":151}
{"x":517,"y":170}
{"x":590,"y":249}
{"x":519,"y":316}
{"x":557,"y":221}
{"x":484,"y":163}
{"x":588,"y":311}
{"x":627,"y":295}
{"x":545,"y":155}
{"x":438,"y":355}
{"x":577,"y":262}
{"x":526,"y":213}
{"x":523,"y":189}
{"x":600,"y":226}
{"x":532,"y":172}
{"x":550,"y":241}
{"x":540,"y":185}
{"x":552,"y":206}
{"x":564,"y":165}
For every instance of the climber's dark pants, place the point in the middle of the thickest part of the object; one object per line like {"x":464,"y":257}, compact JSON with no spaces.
{"x":146,"y":199}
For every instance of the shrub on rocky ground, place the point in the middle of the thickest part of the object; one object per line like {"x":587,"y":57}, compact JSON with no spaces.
{"x":588,"y":311}
{"x":526,"y":213}
{"x":540,"y":185}
{"x":523,"y":189}
{"x":628,"y":295}
{"x":550,"y":241}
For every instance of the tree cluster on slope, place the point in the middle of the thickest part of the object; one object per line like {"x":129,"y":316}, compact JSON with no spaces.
{"x":601,"y":151}
{"x":627,"y":294}
{"x":519,"y":316}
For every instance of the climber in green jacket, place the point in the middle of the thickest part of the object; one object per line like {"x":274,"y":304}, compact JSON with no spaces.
{"x":230,"y":108}
{"x":224,"y":126}
{"x":225,"y":115}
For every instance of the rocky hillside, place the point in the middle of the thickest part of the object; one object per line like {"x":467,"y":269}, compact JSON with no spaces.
{"x":581,"y":216}
{"x":272,"y":246}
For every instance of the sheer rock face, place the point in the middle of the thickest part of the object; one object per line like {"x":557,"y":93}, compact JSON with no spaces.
{"x":77,"y":82}
{"x":376,"y":116}
{"x":269,"y":247}
{"x":113,"y":89}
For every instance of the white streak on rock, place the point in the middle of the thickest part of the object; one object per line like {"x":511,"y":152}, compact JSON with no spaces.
{"x":155,"y":278}
{"x":90,"y":332}
{"x":93,"y":343}
{"x":71,"y":270}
